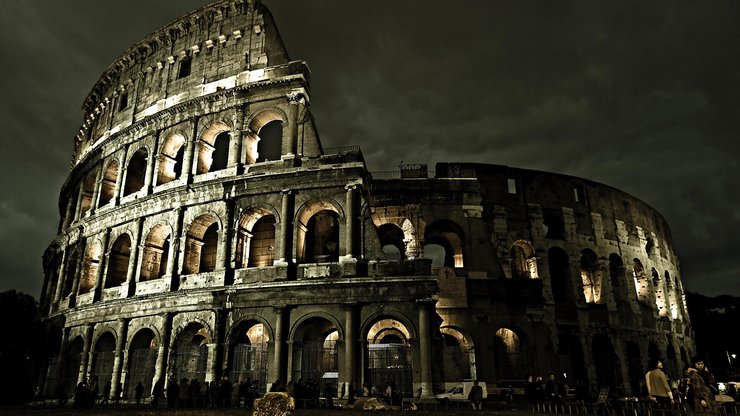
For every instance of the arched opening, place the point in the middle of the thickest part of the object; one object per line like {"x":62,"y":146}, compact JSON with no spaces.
{"x":605,"y":360}
{"x":87,"y":194}
{"x":102,"y":361}
{"x":391,"y":240}
{"x":635,"y":370}
{"x":90,"y":269}
{"x":522,"y":261}
{"x":248,"y":355}
{"x":510,"y":359}
{"x":213,"y":149}
{"x":641,"y":281}
{"x":590,"y":276}
{"x":570,"y":356}
{"x":616,"y":275}
{"x":201,"y":245}
{"x":136,"y":172}
{"x":389,"y":356}
{"x":155,"y":254}
{"x":671,"y":290}
{"x":255,"y":241}
{"x":560,"y":279}
{"x":315,"y":355}
{"x":671,"y":363}
{"x":458,"y":356}
{"x":118,"y":261}
{"x":437,"y":254}
{"x":269,"y":146}
{"x":71,"y":272}
{"x":108,"y":186}
{"x":171,"y":159}
{"x":72,"y":361}
{"x":449,"y":235}
{"x":191,"y":354}
{"x":142,"y":361}
{"x":321,"y":241}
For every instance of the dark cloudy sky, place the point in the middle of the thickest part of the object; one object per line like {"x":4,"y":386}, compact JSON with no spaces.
{"x":640,"y":95}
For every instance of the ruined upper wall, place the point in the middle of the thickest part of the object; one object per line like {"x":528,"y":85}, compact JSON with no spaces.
{"x":200,"y":53}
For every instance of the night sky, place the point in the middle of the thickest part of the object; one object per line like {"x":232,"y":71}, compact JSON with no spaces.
{"x":642,"y":96}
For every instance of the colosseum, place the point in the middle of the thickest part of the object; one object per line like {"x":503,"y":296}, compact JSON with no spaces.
{"x":207,"y":233}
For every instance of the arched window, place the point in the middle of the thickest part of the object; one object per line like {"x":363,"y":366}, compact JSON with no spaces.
{"x":108,"y":186}
{"x":71,"y":272}
{"x":248,"y":354}
{"x":389,"y":355}
{"x":590,"y":276}
{"x":91,"y":265}
{"x":87,"y":193}
{"x":641,"y":281}
{"x":190,"y":353}
{"x":142,"y":361}
{"x":509,"y":358}
{"x":213,"y":152}
{"x":315,"y":352}
{"x":155,"y":254}
{"x":255,"y":243}
{"x":118,"y":261}
{"x":616,"y":275}
{"x":448,"y":235}
{"x":560,"y":278}
{"x":270,"y":143}
{"x":522,"y":261}
{"x":322,"y":237}
{"x":135,"y":172}
{"x":171,"y":159}
{"x":201,"y":245}
{"x":391,"y":240}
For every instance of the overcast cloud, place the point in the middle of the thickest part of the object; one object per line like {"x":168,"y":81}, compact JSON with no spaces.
{"x":642,"y":96}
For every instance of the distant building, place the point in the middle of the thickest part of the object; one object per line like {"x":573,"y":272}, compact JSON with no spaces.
{"x":205,"y":232}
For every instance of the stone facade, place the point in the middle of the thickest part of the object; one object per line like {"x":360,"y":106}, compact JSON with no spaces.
{"x":205,"y":232}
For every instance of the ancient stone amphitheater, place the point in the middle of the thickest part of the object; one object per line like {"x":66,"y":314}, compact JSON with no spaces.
{"x":206,"y":233}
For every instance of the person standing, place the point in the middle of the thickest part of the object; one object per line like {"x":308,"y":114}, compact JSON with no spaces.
{"x":476,"y":396}
{"x":138,"y":392}
{"x":703,"y":396}
{"x":657,"y":384}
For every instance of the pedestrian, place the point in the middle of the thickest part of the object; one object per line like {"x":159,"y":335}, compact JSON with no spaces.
{"x":138,"y":392}
{"x":476,"y":396}
{"x":658,"y":388}
{"x":703,"y":396}
{"x":157,"y":393}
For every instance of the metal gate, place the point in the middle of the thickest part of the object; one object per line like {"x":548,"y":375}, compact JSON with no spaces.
{"x":249,"y":362}
{"x":191,"y":362}
{"x":102,"y":368}
{"x":141,"y":367}
{"x":316,"y":361}
{"x":390,"y":363}
{"x":71,"y":372}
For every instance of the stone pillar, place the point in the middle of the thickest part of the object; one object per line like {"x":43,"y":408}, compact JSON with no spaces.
{"x":102,"y":265}
{"x":235,"y":144}
{"x":187,"y":160}
{"x":425,"y":361}
{"x":96,"y":190}
{"x":277,"y":369}
{"x":133,"y":260}
{"x":349,"y":221}
{"x":78,"y":203}
{"x":350,"y":338}
{"x":60,"y":278}
{"x":78,"y":272}
{"x":85,"y":360}
{"x":118,"y":192}
{"x":151,"y":167}
{"x":175,"y":257}
{"x":290,"y":143}
{"x":214,"y":349}
{"x":286,"y":221}
{"x":160,"y":370}
{"x":115,"y":384}
{"x":222,"y":259}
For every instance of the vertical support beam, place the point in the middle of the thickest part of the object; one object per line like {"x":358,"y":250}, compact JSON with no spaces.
{"x":349,"y":223}
{"x":286,"y":220}
{"x":59,"y":370}
{"x":350,"y":339}
{"x":60,"y":278}
{"x":175,"y":259}
{"x":96,"y":190}
{"x":235,"y":144}
{"x":277,"y":370}
{"x":85,"y":359}
{"x":160,"y":370}
{"x":187,"y":161}
{"x":290,"y":143}
{"x":133,"y":260}
{"x":102,"y":265}
{"x":425,"y":350}
{"x":81,"y":247}
{"x":115,"y":385}
{"x":151,"y":166}
{"x":118,"y":192}
{"x":78,"y":203}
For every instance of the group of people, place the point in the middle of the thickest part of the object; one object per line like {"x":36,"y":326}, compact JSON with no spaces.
{"x":537,"y":390}
{"x":695,"y":391}
{"x":193,"y":393}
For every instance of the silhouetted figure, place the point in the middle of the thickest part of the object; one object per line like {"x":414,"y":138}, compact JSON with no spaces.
{"x":173,"y":392}
{"x":138,"y":392}
{"x":106,"y":393}
{"x":156,"y":393}
{"x":476,"y":396}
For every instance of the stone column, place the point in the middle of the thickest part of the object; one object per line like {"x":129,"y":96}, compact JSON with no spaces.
{"x":60,"y":278}
{"x":286,"y":221}
{"x":175,"y":257}
{"x":102,"y":265}
{"x":78,"y":272}
{"x":78,"y":203}
{"x":119,"y":178}
{"x":115,"y":385}
{"x":160,"y":370}
{"x":214,"y":349}
{"x":235,"y":144}
{"x":349,"y":221}
{"x":151,"y":167}
{"x":350,"y":337}
{"x":85,"y":360}
{"x":277,"y":369}
{"x":425,"y":350}
{"x":96,"y":190}
{"x":222,"y":259}
{"x":133,"y":260}
{"x":187,"y":160}
{"x":295,"y":99}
